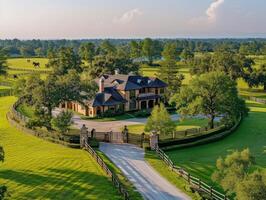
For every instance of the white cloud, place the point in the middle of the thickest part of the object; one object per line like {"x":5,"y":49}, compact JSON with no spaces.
{"x":128,"y":16}
{"x":211,"y":11}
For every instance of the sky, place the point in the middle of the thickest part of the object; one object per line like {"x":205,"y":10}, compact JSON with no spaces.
{"x":84,"y":19}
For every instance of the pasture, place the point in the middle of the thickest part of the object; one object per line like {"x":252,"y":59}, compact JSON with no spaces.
{"x":200,"y":160}
{"x":37,"y":169}
{"x":27,"y":63}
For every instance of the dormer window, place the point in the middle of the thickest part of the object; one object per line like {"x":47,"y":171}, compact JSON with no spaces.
{"x":149,"y":81}
{"x":139,"y":81}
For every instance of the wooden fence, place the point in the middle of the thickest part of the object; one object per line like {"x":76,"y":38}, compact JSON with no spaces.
{"x":109,"y":173}
{"x":193,"y":181}
{"x":30,"y":70}
{"x":258,"y":100}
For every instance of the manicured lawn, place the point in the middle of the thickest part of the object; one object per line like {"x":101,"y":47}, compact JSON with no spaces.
{"x":36,"y":169}
{"x":200,"y":160}
{"x":180,"y":126}
{"x":23,"y":64}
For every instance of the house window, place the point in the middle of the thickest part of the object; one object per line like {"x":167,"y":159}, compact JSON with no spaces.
{"x":162,"y":91}
{"x":132,"y":105}
{"x":142,"y":90}
{"x":132,"y":94}
{"x":156,"y":91}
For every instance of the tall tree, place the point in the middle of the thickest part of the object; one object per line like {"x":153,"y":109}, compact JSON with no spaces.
{"x":148,"y":50}
{"x":3,"y":63}
{"x":135,"y":49}
{"x":257,"y":77}
{"x":160,"y":121}
{"x":212,"y":95}
{"x":187,"y":55}
{"x":66,"y":59}
{"x":168,"y":70}
{"x":87,"y":52}
{"x":106,"y":47}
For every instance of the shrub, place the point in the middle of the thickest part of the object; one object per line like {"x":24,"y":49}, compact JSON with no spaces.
{"x":142,"y":113}
{"x":63,"y":121}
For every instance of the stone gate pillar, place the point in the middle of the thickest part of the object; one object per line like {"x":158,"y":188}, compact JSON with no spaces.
{"x":83,"y":136}
{"x":154,"y":139}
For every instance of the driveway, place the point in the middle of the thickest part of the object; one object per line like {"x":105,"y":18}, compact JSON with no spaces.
{"x":152,"y":186}
{"x":114,"y":126}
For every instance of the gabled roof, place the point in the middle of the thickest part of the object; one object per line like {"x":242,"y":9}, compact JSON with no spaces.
{"x":113,"y":83}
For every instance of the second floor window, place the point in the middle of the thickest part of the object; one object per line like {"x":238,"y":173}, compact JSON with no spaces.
{"x":132,"y":94}
{"x":142,"y":90}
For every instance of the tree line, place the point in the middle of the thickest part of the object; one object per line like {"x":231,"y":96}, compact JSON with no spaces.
{"x":41,"y":48}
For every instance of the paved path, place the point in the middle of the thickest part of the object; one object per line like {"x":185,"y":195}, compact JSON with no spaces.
{"x":110,"y":125}
{"x":130,"y":159}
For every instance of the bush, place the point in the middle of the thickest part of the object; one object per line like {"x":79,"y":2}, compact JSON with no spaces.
{"x":112,"y":113}
{"x":63,"y":121}
{"x":142,"y":113}
{"x":94,"y":143}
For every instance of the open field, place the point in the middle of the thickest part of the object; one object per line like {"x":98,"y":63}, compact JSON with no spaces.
{"x":36,"y":169}
{"x":23,"y":64}
{"x":200,"y":160}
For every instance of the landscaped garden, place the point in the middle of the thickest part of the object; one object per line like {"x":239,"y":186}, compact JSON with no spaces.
{"x":37,"y":169}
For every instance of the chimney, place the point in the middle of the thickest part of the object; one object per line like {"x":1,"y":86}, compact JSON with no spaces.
{"x":116,"y":71}
{"x":101,"y":84}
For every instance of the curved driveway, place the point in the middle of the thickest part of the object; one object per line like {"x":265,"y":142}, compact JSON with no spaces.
{"x":152,"y":186}
{"x":114,"y":126}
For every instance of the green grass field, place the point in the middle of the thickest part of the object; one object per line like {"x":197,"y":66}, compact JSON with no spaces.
{"x":180,"y":125}
{"x":200,"y":160}
{"x":23,"y":64}
{"x":36,"y":169}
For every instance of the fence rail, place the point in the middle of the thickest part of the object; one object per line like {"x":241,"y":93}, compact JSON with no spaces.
{"x":109,"y":173}
{"x":193,"y":181}
{"x":258,"y":100}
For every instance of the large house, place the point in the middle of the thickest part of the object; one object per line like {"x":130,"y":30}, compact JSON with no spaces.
{"x":122,"y":93}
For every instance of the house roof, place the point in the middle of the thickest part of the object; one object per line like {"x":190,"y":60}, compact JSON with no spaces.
{"x":113,"y":83}
{"x":131,"y":82}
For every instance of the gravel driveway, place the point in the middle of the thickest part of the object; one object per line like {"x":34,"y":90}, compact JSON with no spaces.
{"x":152,"y":186}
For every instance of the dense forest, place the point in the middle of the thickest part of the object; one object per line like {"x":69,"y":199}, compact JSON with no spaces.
{"x":41,"y":48}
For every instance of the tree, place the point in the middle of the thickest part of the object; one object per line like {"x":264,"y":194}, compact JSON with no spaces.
{"x":168,"y":70}
{"x":106,"y":47}
{"x":3,"y":189}
{"x":234,"y":65}
{"x":148,"y":50}
{"x":63,"y":121}
{"x":135,"y":49}
{"x":110,"y":63}
{"x":234,"y":175}
{"x":87,"y":52}
{"x":26,"y":51}
{"x":187,"y":55}
{"x":212,"y":95}
{"x":3,"y":64}
{"x":160,"y":121}
{"x":257,"y":77}
{"x":233,"y":169}
{"x":38,"y":52}
{"x":252,"y":187}
{"x":64,"y":60}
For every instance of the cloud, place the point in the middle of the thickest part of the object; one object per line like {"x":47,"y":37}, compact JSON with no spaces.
{"x":128,"y":16}
{"x":211,"y":11}
{"x":210,"y":15}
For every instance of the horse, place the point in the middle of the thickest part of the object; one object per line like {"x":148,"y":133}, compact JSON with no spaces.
{"x":36,"y":64}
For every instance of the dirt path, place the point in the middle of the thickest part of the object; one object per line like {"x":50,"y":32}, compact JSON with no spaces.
{"x":130,"y":159}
